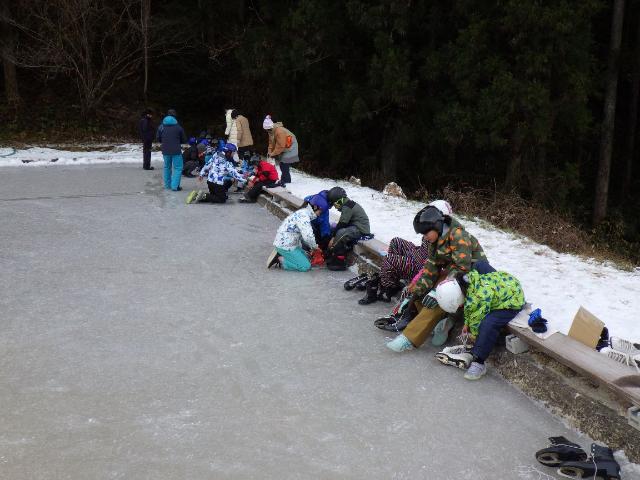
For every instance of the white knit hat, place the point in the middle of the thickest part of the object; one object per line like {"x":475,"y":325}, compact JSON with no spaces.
{"x":267,"y":124}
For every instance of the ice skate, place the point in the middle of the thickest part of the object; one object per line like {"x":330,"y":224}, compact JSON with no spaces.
{"x":192,"y":196}
{"x":561,"y":450}
{"x":457,"y":356}
{"x":622,"y":357}
{"x":351,"y":283}
{"x":273,"y":260}
{"x":624,"y":346}
{"x":599,"y":465}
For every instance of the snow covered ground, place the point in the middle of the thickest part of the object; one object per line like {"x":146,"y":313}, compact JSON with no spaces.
{"x":555,"y":282}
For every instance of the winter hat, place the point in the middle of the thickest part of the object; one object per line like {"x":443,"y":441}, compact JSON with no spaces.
{"x":267,"y":124}
{"x":192,"y":141}
{"x":230,"y":147}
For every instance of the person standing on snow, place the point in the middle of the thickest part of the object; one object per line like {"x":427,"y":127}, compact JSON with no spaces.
{"x":294,"y":230}
{"x":146,"y":130}
{"x":172,"y":136}
{"x":283,"y":147}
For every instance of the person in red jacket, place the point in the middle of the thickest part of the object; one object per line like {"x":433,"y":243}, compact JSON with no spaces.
{"x":266,"y":175}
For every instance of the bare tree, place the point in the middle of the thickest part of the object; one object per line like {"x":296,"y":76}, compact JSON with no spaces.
{"x":7,"y":48}
{"x":97,"y":43}
{"x":606,"y":141}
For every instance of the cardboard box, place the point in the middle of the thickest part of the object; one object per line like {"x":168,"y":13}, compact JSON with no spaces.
{"x":586,"y":328}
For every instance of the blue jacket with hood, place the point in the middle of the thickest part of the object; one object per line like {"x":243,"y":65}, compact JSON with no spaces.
{"x":322,"y":221}
{"x":171,"y":135}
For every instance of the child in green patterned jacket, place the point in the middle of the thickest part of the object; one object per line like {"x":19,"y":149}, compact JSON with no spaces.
{"x":491,"y":301}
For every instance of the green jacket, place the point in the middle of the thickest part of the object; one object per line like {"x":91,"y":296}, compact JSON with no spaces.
{"x":352,"y":214}
{"x":455,"y":251}
{"x":488,"y":292}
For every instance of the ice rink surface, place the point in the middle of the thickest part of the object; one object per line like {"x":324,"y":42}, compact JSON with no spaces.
{"x":143,"y":338}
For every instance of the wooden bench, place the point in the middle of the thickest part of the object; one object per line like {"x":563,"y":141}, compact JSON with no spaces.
{"x":621,"y":380}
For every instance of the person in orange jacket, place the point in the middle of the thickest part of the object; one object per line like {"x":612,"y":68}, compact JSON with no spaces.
{"x":283,"y":147}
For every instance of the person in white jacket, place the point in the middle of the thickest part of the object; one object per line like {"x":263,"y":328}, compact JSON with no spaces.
{"x":293,"y":232}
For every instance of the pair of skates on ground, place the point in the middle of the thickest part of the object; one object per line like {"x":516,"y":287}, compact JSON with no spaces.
{"x":573,"y":462}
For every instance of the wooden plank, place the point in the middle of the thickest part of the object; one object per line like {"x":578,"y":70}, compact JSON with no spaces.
{"x":622,"y":380}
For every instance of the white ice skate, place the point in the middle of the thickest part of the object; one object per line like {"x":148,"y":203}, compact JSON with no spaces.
{"x":622,"y":357}
{"x":624,"y":346}
{"x":456,"y":356}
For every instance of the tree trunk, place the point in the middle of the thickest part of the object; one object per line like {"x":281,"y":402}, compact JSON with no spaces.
{"x":633,"y":119}
{"x":514,"y":168}
{"x":7,"y":45}
{"x":606,"y":140}
{"x":145,"y":13}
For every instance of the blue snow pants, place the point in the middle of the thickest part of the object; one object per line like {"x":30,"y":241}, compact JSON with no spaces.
{"x":294,"y":259}
{"x":489,"y":330}
{"x":172,"y":179}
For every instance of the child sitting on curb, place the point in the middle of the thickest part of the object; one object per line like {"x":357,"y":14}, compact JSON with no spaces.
{"x":265,"y":175}
{"x":294,"y":230}
{"x":491,"y":301}
{"x":352,"y":225}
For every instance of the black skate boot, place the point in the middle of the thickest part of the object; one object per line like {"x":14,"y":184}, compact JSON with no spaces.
{"x":387,"y":293}
{"x":362,"y":284}
{"x":561,"y":450}
{"x":396,"y":322}
{"x":337,"y":262}
{"x":372,"y":290}
{"x":352,"y":282}
{"x":600,"y":464}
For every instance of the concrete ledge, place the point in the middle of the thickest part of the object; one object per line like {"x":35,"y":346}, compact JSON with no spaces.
{"x":561,"y":372}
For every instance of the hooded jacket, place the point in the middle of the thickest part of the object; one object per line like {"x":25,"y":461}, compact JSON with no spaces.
{"x":171,"y":135}
{"x":295,"y":229}
{"x":455,"y":251}
{"x":488,"y":292}
{"x":321,"y":222}
{"x":278,"y":144}
{"x":266,"y":172}
{"x":218,"y":169}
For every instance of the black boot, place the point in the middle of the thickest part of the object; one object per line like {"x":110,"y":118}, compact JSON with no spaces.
{"x":386,"y":293}
{"x":372,"y":291}
{"x":337,"y":262}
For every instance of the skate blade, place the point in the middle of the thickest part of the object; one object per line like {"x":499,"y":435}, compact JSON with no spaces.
{"x":446,"y":360}
{"x":573,"y":472}
{"x":549,"y":459}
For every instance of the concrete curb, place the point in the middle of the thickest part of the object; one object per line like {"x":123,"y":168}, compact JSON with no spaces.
{"x":585,"y":405}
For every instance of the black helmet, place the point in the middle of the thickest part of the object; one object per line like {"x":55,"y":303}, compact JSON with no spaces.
{"x":429,"y":218}
{"x":335,"y":194}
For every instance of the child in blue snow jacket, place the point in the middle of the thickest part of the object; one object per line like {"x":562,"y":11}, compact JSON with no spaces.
{"x":321,"y":226}
{"x":220,"y":173}
{"x":295,"y":230}
{"x":171,"y":135}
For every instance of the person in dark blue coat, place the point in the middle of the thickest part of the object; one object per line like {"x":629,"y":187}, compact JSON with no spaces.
{"x":320,"y":224}
{"x":146,"y":130}
{"x":172,"y":136}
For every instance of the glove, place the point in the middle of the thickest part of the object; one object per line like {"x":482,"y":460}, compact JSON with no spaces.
{"x":429,"y":300}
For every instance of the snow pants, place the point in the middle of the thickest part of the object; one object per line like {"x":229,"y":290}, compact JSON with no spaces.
{"x":423,"y":324}
{"x":146,"y":155}
{"x":489,"y":330}
{"x":217,"y":193}
{"x":294,"y":259}
{"x":254,"y":192}
{"x":345,"y":238}
{"x":403,"y":262}
{"x":172,"y":171}
{"x":285,"y":176}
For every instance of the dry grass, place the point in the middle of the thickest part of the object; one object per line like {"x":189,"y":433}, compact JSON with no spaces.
{"x":510,"y":212}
